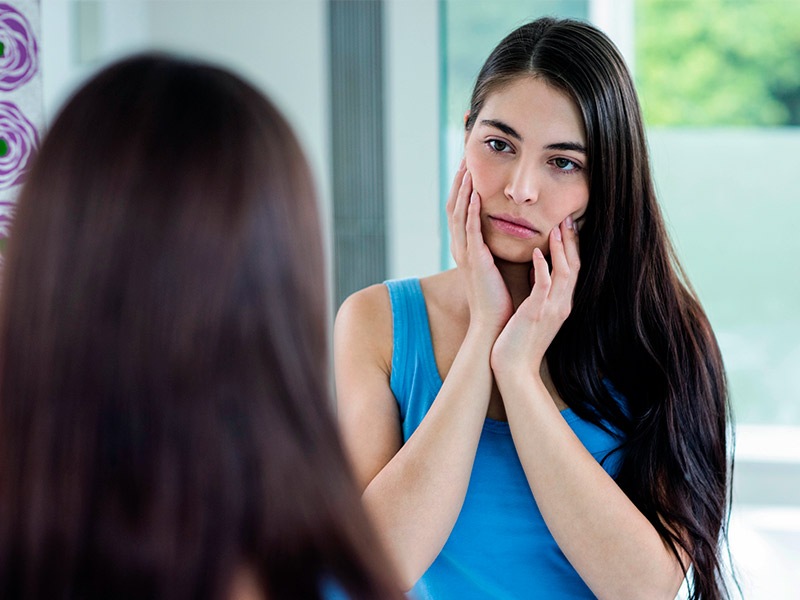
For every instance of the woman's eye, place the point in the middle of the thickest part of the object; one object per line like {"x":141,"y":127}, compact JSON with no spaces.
{"x":565,"y":164}
{"x":498,"y":145}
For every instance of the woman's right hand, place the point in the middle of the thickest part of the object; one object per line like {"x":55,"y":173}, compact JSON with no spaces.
{"x":490,"y":304}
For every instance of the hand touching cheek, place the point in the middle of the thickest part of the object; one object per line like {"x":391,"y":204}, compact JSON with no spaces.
{"x":488,"y":298}
{"x":520,"y":348}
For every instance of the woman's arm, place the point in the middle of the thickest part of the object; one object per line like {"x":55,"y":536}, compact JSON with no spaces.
{"x":613,"y":547}
{"x":414,"y":491}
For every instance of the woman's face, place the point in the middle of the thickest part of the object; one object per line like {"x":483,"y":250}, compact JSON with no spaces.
{"x":527,"y":155}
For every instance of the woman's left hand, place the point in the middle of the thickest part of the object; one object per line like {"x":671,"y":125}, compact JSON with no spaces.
{"x":521,"y":345}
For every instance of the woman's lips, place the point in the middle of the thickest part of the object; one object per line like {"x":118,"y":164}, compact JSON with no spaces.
{"x":513,"y":226}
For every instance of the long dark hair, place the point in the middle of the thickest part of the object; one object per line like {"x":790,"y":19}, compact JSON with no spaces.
{"x":635,"y":320}
{"x":165,"y":418}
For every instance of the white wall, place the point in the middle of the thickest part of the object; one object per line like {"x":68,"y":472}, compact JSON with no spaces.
{"x":412,"y":83}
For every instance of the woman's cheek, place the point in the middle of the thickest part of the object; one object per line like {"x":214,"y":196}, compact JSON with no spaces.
{"x":481,"y":178}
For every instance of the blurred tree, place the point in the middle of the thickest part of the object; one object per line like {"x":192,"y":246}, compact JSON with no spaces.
{"x":719,"y":62}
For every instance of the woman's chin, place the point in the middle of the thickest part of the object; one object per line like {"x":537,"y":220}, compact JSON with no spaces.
{"x":516,"y":254}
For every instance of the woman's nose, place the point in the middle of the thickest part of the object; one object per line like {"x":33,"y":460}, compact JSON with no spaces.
{"x":523,"y":185}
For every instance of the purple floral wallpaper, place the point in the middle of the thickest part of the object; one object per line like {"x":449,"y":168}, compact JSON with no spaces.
{"x":18,"y":141}
{"x":20,"y":100}
{"x":19,"y":53}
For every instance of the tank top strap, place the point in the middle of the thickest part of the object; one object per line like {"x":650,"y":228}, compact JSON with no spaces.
{"x":413,"y":360}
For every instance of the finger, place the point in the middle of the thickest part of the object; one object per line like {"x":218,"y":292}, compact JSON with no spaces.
{"x":473,"y":224}
{"x":541,"y":287}
{"x":457,"y":179}
{"x":571,"y":248}
{"x":459,"y":219}
{"x":461,"y":203}
{"x":561,"y":275}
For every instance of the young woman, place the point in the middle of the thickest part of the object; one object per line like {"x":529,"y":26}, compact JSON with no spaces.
{"x":165,"y":426}
{"x":548,"y":419}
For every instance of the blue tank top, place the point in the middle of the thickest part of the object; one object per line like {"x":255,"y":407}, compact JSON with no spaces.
{"x":500,"y":547}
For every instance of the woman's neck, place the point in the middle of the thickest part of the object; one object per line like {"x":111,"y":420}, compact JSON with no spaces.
{"x":517,"y":277}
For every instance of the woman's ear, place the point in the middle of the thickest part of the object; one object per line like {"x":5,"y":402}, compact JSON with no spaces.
{"x":466,"y":132}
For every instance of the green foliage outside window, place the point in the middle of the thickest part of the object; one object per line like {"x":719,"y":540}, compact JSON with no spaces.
{"x":719,"y":62}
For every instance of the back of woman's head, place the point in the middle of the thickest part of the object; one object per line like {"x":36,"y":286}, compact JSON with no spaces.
{"x":164,"y":415}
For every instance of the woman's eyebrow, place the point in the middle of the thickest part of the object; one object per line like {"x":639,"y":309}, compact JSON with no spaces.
{"x":507,"y":129}
{"x":567,"y":146}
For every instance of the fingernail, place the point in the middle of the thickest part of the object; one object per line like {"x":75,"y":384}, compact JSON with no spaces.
{"x":473,"y":196}
{"x":570,"y":223}
{"x":463,"y":163}
{"x":464,"y":178}
{"x":537,"y":253}
{"x":557,"y":232}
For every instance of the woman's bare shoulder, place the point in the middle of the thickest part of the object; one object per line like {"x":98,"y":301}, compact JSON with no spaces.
{"x":373,"y":305}
{"x":370,"y":303}
{"x":365,"y":319}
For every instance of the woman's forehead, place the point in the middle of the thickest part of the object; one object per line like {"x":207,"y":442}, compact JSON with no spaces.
{"x":532,"y":106}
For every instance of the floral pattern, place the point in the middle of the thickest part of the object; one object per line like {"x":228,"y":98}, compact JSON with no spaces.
{"x":20,"y":91}
{"x":18,"y":140}
{"x":19,"y":52}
